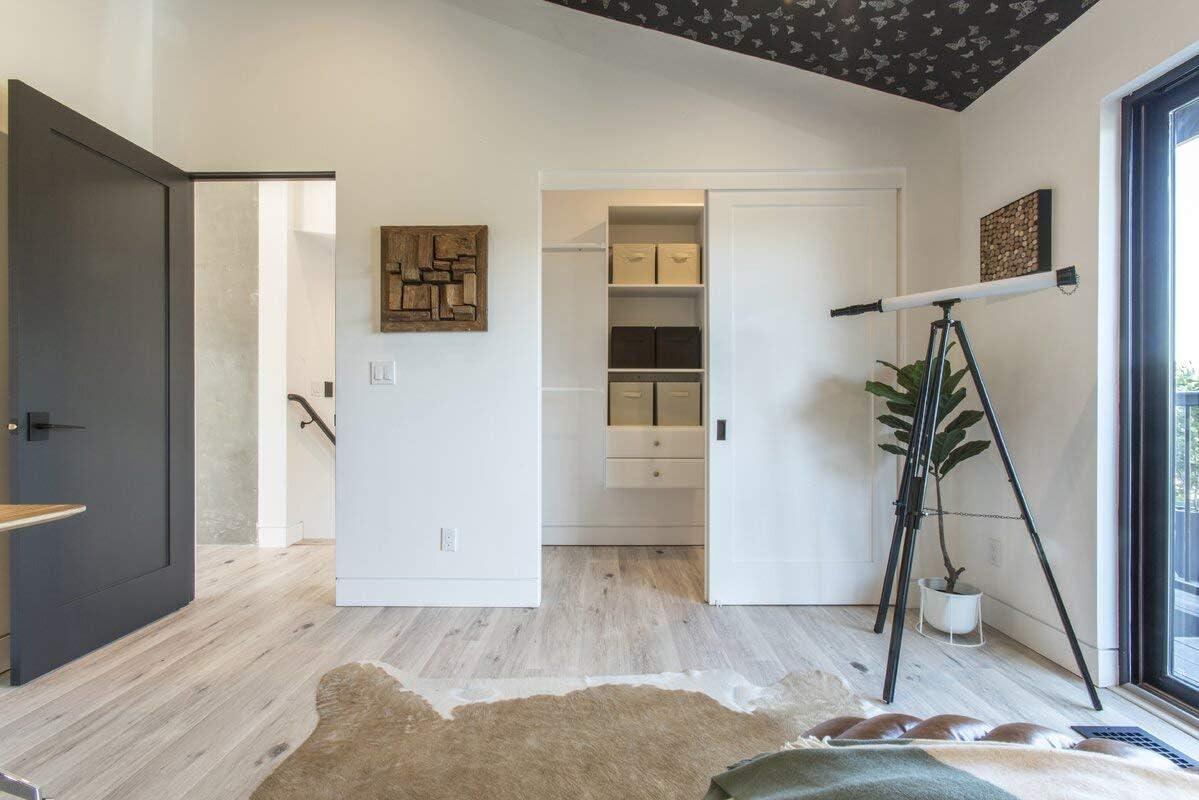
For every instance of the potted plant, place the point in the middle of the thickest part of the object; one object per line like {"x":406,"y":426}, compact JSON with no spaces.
{"x":950,"y":604}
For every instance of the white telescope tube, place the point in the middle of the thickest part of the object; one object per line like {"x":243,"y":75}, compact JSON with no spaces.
{"x":1025,"y":284}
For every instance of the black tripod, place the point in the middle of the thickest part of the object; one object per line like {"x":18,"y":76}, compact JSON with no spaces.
{"x":909,"y":506}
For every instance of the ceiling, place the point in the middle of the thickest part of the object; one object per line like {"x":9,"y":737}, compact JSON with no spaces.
{"x":944,"y":52}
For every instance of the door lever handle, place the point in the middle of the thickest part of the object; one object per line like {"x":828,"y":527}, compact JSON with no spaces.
{"x":39,"y":426}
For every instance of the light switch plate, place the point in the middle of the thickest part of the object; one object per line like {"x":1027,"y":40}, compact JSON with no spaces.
{"x":383,"y":373}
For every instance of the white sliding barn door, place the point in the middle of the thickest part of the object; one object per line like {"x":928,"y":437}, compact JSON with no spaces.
{"x":799,"y":495}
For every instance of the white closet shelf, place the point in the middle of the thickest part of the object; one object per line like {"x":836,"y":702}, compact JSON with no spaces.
{"x":656,"y":370}
{"x":656,"y":214}
{"x":574,"y":247}
{"x":655,"y":289}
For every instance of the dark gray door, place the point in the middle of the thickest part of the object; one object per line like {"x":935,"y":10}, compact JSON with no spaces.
{"x":100,"y":300}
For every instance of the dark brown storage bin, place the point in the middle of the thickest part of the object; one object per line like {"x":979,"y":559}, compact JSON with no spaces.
{"x":631,"y":348}
{"x":678,"y":348}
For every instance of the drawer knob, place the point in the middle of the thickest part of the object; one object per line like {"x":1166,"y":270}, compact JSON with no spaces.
{"x":657,"y":443}
{"x":657,"y":474}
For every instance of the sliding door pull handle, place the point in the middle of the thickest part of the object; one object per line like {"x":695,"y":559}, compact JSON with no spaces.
{"x":720,"y":430}
{"x":46,"y":426}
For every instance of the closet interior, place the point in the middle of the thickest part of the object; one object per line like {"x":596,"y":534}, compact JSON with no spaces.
{"x":624,"y":356}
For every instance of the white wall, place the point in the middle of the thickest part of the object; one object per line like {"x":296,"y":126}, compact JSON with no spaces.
{"x":310,"y":354}
{"x":432,"y":114}
{"x":1054,"y":123}
{"x":96,"y":56}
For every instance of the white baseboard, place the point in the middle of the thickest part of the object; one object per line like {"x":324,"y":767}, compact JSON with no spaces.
{"x":452,"y":592}
{"x":280,"y":536}
{"x":1051,"y":642}
{"x":622,"y":535}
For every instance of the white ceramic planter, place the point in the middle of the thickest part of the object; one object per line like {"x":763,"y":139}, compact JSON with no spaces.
{"x":954,"y":614}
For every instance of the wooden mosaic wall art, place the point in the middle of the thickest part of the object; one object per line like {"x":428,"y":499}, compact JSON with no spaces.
{"x":1015,"y":240}
{"x":434,"y":278}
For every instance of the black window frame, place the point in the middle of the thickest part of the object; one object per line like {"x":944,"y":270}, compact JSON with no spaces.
{"x":1146,"y":383}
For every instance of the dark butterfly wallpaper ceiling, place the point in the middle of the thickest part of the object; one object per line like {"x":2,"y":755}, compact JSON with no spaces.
{"x":944,"y":52}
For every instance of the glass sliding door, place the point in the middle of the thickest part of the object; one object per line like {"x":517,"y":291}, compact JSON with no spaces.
{"x":1161,"y":408}
{"x":1183,"y":639}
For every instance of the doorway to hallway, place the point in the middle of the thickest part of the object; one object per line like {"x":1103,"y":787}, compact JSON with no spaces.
{"x":265,"y":406}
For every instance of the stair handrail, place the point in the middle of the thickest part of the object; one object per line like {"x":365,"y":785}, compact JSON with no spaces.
{"x":315,"y":417}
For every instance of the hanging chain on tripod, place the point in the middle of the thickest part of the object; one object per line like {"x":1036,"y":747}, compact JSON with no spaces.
{"x":932,"y":512}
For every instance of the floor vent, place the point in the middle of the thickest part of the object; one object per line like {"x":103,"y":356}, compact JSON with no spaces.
{"x":1137,"y":736}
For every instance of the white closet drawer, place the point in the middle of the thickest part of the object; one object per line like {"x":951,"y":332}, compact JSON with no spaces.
{"x":655,"y":473}
{"x":656,"y":442}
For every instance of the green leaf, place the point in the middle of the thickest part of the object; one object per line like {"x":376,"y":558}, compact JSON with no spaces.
{"x":894,"y":448}
{"x":895,"y":422}
{"x":909,"y":378}
{"x":887,"y":392}
{"x":968,"y":450}
{"x":888,"y":364}
{"x":903,"y":436}
{"x":943,"y":444}
{"x":964,"y":420}
{"x":948,"y":404}
{"x":903,"y":409}
{"x":952,"y":381}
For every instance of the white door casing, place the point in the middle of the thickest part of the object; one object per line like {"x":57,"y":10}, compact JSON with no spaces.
{"x":799,"y":497}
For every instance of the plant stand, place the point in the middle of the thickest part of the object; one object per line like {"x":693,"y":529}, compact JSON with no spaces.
{"x":948,"y":638}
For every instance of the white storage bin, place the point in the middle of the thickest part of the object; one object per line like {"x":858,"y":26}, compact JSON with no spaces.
{"x":678,"y":403}
{"x":633,"y":263}
{"x":679,"y":263}
{"x":657,"y":442}
{"x":654,"y":473}
{"x":630,"y":403}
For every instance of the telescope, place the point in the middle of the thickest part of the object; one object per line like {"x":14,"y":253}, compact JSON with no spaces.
{"x":923,"y":438}
{"x":1066,"y":276}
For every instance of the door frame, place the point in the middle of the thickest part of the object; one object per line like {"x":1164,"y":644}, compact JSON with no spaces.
{"x":1146,"y":335}
{"x":716,"y":180}
{"x":286,"y":176}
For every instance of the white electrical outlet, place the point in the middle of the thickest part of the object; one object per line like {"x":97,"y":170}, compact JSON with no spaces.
{"x":995,"y":552}
{"x":449,"y":540}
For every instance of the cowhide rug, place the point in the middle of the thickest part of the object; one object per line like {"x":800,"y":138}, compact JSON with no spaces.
{"x":377,"y":740}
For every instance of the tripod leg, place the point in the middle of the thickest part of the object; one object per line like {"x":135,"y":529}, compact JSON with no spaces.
{"x":905,"y":482}
{"x":901,"y":606}
{"x":914,"y":513}
{"x":1001,"y":445}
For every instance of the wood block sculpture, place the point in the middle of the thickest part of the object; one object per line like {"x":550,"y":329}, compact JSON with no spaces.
{"x":434,"y":278}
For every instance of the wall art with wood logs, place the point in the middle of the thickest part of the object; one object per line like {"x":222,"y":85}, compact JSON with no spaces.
{"x":1016,"y":239}
{"x":434,"y":278}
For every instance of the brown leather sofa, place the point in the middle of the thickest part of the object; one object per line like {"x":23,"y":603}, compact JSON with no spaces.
{"x":951,"y":727}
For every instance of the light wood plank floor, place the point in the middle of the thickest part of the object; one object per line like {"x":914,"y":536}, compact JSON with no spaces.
{"x":205,"y":703}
